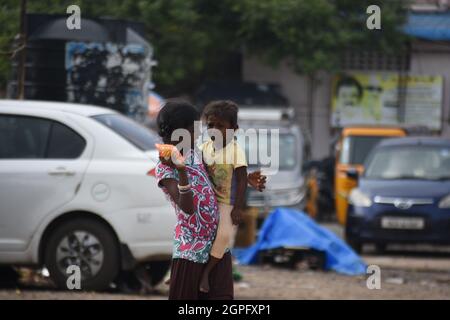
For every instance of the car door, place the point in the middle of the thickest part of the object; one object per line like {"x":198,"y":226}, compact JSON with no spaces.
{"x":42,"y":161}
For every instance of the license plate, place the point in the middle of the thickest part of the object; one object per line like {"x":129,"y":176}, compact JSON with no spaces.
{"x":402,"y":223}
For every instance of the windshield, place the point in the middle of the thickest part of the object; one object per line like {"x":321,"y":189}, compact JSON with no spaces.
{"x":356,"y":148}
{"x":137,"y":134}
{"x":287,"y":153}
{"x":410,"y":162}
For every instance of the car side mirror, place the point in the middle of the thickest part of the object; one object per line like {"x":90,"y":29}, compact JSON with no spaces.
{"x":352,"y":174}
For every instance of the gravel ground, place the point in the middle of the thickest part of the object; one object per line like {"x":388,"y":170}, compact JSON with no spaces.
{"x":273,"y":283}
{"x":416,"y":272}
{"x":268,"y":282}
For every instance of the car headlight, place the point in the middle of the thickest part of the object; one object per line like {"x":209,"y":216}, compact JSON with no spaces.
{"x":358,"y":199}
{"x":445,"y":202}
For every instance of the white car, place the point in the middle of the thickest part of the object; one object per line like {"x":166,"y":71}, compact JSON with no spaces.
{"x":77,"y":187}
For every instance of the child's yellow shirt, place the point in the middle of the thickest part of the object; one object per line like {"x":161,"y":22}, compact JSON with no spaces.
{"x":221,"y":165}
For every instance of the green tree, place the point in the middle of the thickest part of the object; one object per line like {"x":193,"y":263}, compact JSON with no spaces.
{"x":313,"y":35}
{"x":191,"y":38}
{"x":9,"y":26}
{"x":194,"y":38}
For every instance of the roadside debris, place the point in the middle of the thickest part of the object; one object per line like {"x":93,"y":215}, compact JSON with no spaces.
{"x":294,"y":233}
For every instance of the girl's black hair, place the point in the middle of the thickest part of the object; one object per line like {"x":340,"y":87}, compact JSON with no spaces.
{"x":175,"y":114}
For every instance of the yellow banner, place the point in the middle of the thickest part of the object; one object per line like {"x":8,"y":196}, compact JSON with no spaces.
{"x":386,"y":99}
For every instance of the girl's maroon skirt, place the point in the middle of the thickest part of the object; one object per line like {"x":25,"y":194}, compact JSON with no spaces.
{"x":185,"y":278}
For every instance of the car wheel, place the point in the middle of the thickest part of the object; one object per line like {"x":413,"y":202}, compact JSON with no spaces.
{"x":85,"y":243}
{"x":158,"y":269}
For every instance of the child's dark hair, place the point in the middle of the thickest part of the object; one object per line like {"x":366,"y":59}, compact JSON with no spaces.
{"x":223,"y":109}
{"x":175,"y":114}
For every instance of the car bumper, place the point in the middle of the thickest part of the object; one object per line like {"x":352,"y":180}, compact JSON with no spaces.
{"x":364,"y":225}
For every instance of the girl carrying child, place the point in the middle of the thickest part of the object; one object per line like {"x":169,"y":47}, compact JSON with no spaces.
{"x":186,"y":183}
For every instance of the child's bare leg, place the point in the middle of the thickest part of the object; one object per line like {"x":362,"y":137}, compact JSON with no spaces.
{"x":204,"y":282}
{"x":220,"y":245}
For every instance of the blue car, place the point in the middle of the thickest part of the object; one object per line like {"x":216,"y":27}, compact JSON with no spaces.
{"x":403,"y":196}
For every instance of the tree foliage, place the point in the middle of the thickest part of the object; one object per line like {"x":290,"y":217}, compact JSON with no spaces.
{"x":194,"y":38}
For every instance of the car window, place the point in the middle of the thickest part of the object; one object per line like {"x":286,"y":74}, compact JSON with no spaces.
{"x":409,"y":162}
{"x":64,"y":143}
{"x":26,"y":137}
{"x":23,"y":137}
{"x":355,"y":149}
{"x":140,"y":136}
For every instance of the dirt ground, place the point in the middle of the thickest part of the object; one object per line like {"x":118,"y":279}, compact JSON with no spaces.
{"x":414,"y":272}
{"x":395,"y":284}
{"x":401,"y":278}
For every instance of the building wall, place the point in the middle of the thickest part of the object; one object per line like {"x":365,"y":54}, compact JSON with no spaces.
{"x":434,"y":58}
{"x":426,"y":59}
{"x":295,"y":88}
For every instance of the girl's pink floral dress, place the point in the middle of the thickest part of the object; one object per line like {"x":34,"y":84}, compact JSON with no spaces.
{"x":194,"y":234}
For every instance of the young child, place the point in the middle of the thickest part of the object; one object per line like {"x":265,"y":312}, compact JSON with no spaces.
{"x":227,"y":168}
{"x":188,"y":187}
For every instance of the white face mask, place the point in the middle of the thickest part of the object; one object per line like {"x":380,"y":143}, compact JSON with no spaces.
{"x":203,"y":136}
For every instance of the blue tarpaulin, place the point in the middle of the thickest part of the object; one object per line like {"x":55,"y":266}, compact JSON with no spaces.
{"x":429,"y":26}
{"x":291,"y":228}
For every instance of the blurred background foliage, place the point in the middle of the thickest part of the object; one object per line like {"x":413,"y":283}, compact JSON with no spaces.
{"x":198,"y":40}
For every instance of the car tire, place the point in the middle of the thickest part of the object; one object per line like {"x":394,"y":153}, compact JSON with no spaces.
{"x":158,"y":270}
{"x":95,"y":236}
